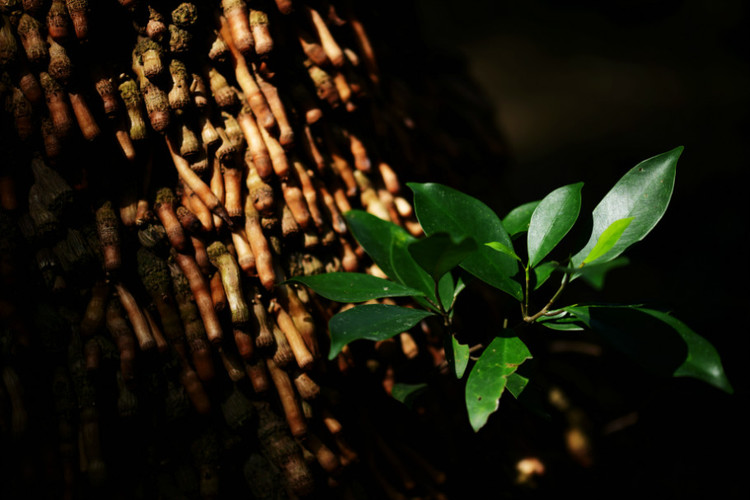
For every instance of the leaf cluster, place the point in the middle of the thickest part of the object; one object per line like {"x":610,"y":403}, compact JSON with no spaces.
{"x":465,"y":239}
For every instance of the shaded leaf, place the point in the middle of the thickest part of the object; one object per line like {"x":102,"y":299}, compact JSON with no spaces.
{"x":542,"y":272}
{"x":443,"y":209}
{"x":551,"y":221}
{"x":516,"y":384}
{"x":703,"y":361}
{"x":354,"y":287}
{"x":376,"y":237}
{"x":595,"y":274}
{"x":517,"y":221}
{"x":387,"y":244}
{"x":489,"y":376}
{"x":407,"y":393}
{"x":657,"y":341}
{"x":643,"y":193}
{"x":459,"y":287}
{"x":608,"y":239}
{"x":446,"y":290}
{"x":372,"y":322}
{"x":438,"y":253}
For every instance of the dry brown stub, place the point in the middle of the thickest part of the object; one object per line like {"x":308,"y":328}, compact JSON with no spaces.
{"x":236,"y":134}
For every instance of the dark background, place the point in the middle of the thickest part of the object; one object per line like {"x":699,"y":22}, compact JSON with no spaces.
{"x":583,"y":91}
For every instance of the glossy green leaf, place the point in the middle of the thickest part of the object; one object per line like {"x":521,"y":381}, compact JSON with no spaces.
{"x":387,"y":244}
{"x":443,"y":209}
{"x":516,"y":384}
{"x":551,"y":221}
{"x":354,"y":287}
{"x":643,"y":193}
{"x":438,"y":253}
{"x":489,"y":376}
{"x":407,"y":393}
{"x":517,"y":221}
{"x":372,"y":322}
{"x":659,"y":342}
{"x":376,"y":237}
{"x":460,"y":357}
{"x":608,"y":239}
{"x":496,"y":245}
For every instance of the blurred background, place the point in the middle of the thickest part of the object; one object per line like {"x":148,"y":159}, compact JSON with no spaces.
{"x":582,"y":91}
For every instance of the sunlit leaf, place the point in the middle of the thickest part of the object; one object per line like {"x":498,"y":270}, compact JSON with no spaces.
{"x":489,"y":376}
{"x":564,"y":326}
{"x":551,"y":221}
{"x":443,"y":209}
{"x":375,"y":235}
{"x":438,"y":253}
{"x":460,"y":357}
{"x":608,"y":239}
{"x":642,"y":193}
{"x":516,"y":384}
{"x":387,"y":244}
{"x":496,"y":245}
{"x":354,"y":287}
{"x":372,"y":322}
{"x":517,"y":221}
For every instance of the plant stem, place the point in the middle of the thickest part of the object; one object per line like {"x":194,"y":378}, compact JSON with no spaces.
{"x":440,"y":303}
{"x":525,"y":304}
{"x":531,"y":319}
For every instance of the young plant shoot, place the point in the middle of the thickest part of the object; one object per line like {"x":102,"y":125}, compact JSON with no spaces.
{"x":464,"y":238}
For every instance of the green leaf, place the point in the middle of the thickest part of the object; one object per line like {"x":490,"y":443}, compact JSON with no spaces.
{"x":460,"y":357}
{"x":608,"y":239}
{"x":657,"y":341}
{"x":489,"y":377}
{"x":354,"y":287}
{"x":387,"y":244}
{"x":643,"y":193}
{"x":594,"y":274}
{"x":443,"y":209}
{"x":562,"y":321}
{"x":440,"y":252}
{"x":542,"y":272}
{"x":516,"y":384}
{"x":702,"y":361}
{"x":496,"y":245}
{"x":407,"y":393}
{"x":376,"y":237}
{"x":446,"y":290}
{"x":563,"y":325}
{"x":372,"y":322}
{"x":551,"y":221}
{"x":517,"y":221}
{"x":459,"y":287}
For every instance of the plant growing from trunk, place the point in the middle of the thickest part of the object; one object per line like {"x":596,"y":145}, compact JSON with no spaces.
{"x":465,"y":239}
